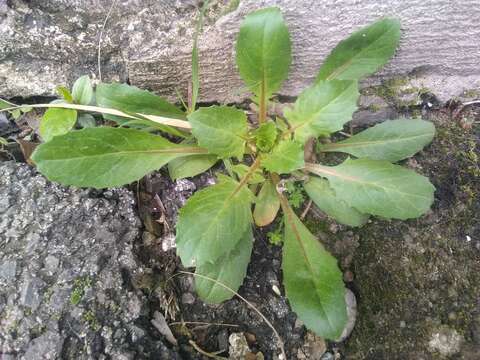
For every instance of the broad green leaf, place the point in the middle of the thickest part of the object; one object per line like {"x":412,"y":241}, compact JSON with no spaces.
{"x":105,"y":157}
{"x":263,"y":51}
{"x":229,"y":270}
{"x":265,"y":136}
{"x":313,"y":282}
{"x":191,"y":165}
{"x":325,"y":198}
{"x":363,"y":53}
{"x":82,"y":91}
{"x":323,"y":108}
{"x":267,"y":205}
{"x":3,"y":141}
{"x":241,"y":170}
{"x":392,"y":140}
{"x":286,"y":157}
{"x":131,"y":99}
{"x":86,"y":121}
{"x":57,"y":122}
{"x":220,"y":129}
{"x":212,"y":222}
{"x":378,"y":187}
{"x":65,"y":94}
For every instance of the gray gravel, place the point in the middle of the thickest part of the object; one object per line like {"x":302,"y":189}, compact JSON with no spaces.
{"x":65,"y":263}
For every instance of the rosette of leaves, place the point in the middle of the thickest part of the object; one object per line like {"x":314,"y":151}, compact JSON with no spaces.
{"x":214,"y":231}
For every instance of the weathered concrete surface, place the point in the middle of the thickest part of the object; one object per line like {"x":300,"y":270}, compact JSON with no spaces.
{"x":66,"y":260}
{"x":45,"y":43}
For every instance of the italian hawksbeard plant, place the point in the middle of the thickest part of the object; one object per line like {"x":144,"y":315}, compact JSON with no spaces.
{"x":214,"y":229}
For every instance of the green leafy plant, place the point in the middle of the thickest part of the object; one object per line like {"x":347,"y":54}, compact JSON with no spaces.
{"x":264,"y":159}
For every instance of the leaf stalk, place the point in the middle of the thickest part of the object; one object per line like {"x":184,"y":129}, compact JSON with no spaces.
{"x":182,"y":124}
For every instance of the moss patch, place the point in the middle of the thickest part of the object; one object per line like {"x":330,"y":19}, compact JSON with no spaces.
{"x":398,"y":92}
{"x":81,"y":284}
{"x":414,"y":278}
{"x":418,"y":276}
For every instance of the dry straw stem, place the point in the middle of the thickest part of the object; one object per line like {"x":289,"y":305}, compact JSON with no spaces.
{"x":100,"y":37}
{"x":182,"y":124}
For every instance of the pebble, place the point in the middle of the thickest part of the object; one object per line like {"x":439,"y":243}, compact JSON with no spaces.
{"x":348,"y":276}
{"x":188,"y":298}
{"x":239,"y":348}
{"x":445,"y":341}
{"x":298,"y":323}
{"x":313,"y":348}
{"x":328,"y":356}
{"x":351,"y":302}
{"x":8,"y":270}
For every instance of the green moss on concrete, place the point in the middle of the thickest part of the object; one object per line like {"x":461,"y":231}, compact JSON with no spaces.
{"x":398,"y":91}
{"x":90,"y":318}
{"x":78,"y":291}
{"x":471,"y":93}
{"x":418,"y":277}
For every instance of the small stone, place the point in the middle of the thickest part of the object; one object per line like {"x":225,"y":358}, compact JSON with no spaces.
{"x":239,"y":348}
{"x":168,"y":242}
{"x":251,"y":338}
{"x":161,"y":325}
{"x":351,"y":303}
{"x":445,"y":341}
{"x":313,"y":348}
{"x":136,"y":333}
{"x":348,"y":276}
{"x":452,"y":316}
{"x":403,"y":324}
{"x":184,"y":185}
{"x":134,"y":307}
{"x":188,"y":298}
{"x":51,"y":264}
{"x":333,"y":227}
{"x":46,"y":346}
{"x":298,"y":323}
{"x":4,"y":204}
{"x":8,"y":270}
{"x":30,"y":295}
{"x":148,"y":238}
{"x":327,"y":356}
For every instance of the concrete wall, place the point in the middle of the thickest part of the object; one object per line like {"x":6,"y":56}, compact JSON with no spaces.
{"x":44,"y":43}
